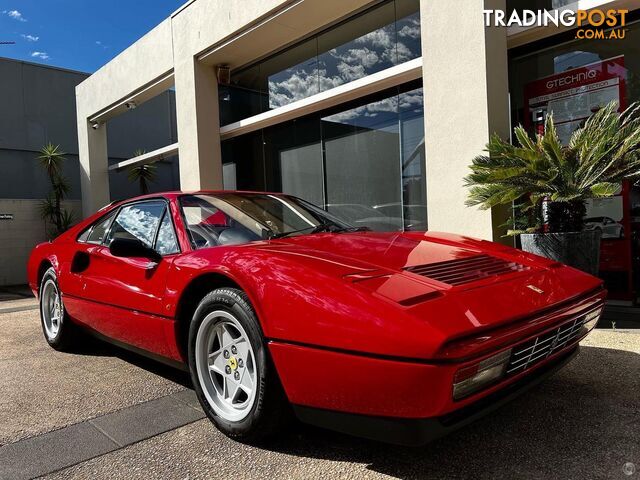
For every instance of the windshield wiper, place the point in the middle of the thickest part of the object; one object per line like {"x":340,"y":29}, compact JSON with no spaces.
{"x":350,"y":229}
{"x":323,"y":227}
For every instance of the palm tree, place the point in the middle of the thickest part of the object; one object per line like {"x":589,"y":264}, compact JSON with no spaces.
{"x":599,"y":156}
{"x":143,"y":174}
{"x":52,"y":158}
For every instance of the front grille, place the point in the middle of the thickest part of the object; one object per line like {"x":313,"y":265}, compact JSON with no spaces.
{"x":537,"y":349}
{"x":466,"y":270}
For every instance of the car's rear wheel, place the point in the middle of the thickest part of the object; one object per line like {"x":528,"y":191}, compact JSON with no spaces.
{"x":58,"y":330}
{"x":233,"y":376}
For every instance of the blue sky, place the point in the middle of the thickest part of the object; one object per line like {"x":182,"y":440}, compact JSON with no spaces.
{"x":77,"y":34}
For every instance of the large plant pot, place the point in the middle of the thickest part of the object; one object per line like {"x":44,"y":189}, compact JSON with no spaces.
{"x":577,"y":249}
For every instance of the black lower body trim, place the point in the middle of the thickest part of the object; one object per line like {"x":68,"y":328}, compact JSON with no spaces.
{"x":418,"y":431}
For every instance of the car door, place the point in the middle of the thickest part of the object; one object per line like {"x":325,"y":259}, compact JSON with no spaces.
{"x":125,"y":295}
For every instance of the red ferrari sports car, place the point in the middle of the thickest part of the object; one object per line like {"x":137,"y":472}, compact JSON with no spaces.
{"x":276,"y":307}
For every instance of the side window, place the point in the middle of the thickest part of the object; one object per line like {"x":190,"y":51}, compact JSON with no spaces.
{"x":84,"y":235}
{"x":138,"y":221}
{"x":99,"y":230}
{"x":166,"y":243}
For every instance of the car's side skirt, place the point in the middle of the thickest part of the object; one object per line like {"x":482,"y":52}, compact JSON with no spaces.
{"x":145,"y":331}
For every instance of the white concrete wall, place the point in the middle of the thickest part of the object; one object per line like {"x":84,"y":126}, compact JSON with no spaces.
{"x":20,"y":235}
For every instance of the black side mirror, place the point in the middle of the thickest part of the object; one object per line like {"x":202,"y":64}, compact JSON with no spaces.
{"x":131,"y":247}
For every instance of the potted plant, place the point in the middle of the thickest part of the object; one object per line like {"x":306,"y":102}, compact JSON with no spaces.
{"x":549,"y":183}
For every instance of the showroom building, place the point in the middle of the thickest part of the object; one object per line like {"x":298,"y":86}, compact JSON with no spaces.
{"x":38,"y":106}
{"x":373,"y":110}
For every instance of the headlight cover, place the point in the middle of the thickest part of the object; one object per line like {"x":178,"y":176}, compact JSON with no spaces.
{"x":472,"y":378}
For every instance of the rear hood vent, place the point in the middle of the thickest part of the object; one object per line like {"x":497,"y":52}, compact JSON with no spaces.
{"x":467,"y":270}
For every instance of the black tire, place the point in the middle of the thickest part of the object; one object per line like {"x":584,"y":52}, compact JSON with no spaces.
{"x":67,"y":333}
{"x":270,"y":412}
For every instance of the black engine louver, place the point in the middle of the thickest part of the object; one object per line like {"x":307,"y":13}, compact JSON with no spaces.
{"x":467,"y":270}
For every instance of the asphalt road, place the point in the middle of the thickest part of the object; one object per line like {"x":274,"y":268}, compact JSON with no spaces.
{"x":127,"y":417}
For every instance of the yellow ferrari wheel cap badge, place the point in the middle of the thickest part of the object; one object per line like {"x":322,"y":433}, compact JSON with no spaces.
{"x":233,"y":363}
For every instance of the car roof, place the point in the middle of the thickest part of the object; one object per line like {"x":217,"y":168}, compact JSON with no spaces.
{"x":177,"y":193}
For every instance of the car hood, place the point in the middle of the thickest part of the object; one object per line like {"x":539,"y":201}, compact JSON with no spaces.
{"x":420,"y":273}
{"x":399,"y":251}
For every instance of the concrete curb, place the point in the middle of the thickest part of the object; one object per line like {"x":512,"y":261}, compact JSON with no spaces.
{"x":68,"y":446}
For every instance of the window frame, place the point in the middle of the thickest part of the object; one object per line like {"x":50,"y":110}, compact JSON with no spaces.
{"x":116,"y":211}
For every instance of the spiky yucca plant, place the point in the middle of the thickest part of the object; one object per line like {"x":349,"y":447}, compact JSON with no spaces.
{"x":51,"y":158}
{"x":599,"y":156}
{"x":143,"y":174}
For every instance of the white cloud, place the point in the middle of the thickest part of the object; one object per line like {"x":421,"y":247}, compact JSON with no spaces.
{"x":411,"y":29}
{"x":15,"y":14}
{"x":389,"y":105}
{"x":349,"y":73}
{"x":30,"y":38}
{"x":40,"y":55}
{"x":378,"y":38}
{"x":100,"y":44}
{"x":299,"y":85}
{"x":360,"y":56}
{"x":354,"y":60}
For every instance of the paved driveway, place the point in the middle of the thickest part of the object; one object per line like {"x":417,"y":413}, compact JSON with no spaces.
{"x":104,"y":413}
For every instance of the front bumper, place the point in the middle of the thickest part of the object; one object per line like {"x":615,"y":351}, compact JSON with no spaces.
{"x":418,"y":431}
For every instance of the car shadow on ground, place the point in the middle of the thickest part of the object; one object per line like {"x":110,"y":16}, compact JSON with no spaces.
{"x":581,"y":423}
{"x":92,"y":346}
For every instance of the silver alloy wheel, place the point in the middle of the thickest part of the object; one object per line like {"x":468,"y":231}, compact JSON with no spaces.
{"x":226,"y":366}
{"x":51,"y":309}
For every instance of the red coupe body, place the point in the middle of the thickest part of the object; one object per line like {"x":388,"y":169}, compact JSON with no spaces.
{"x":363,"y":328}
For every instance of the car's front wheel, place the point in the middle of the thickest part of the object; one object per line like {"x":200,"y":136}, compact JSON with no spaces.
{"x":233,"y":376}
{"x":58,"y":330}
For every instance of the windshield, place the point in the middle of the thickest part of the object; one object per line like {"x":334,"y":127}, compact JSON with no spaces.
{"x":234,"y":218}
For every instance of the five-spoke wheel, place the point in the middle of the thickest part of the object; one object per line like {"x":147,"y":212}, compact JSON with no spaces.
{"x":226,"y":365}
{"x":51,"y":308}
{"x":232,"y":374}
{"x":59,"y":331}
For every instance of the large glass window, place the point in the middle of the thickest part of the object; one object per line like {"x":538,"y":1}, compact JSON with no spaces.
{"x":360,"y":47}
{"x":290,"y":76}
{"x":379,"y":38}
{"x":241,"y":171}
{"x":293,"y":159}
{"x":362,"y":158}
{"x":364,"y":161}
{"x":413,"y":159}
